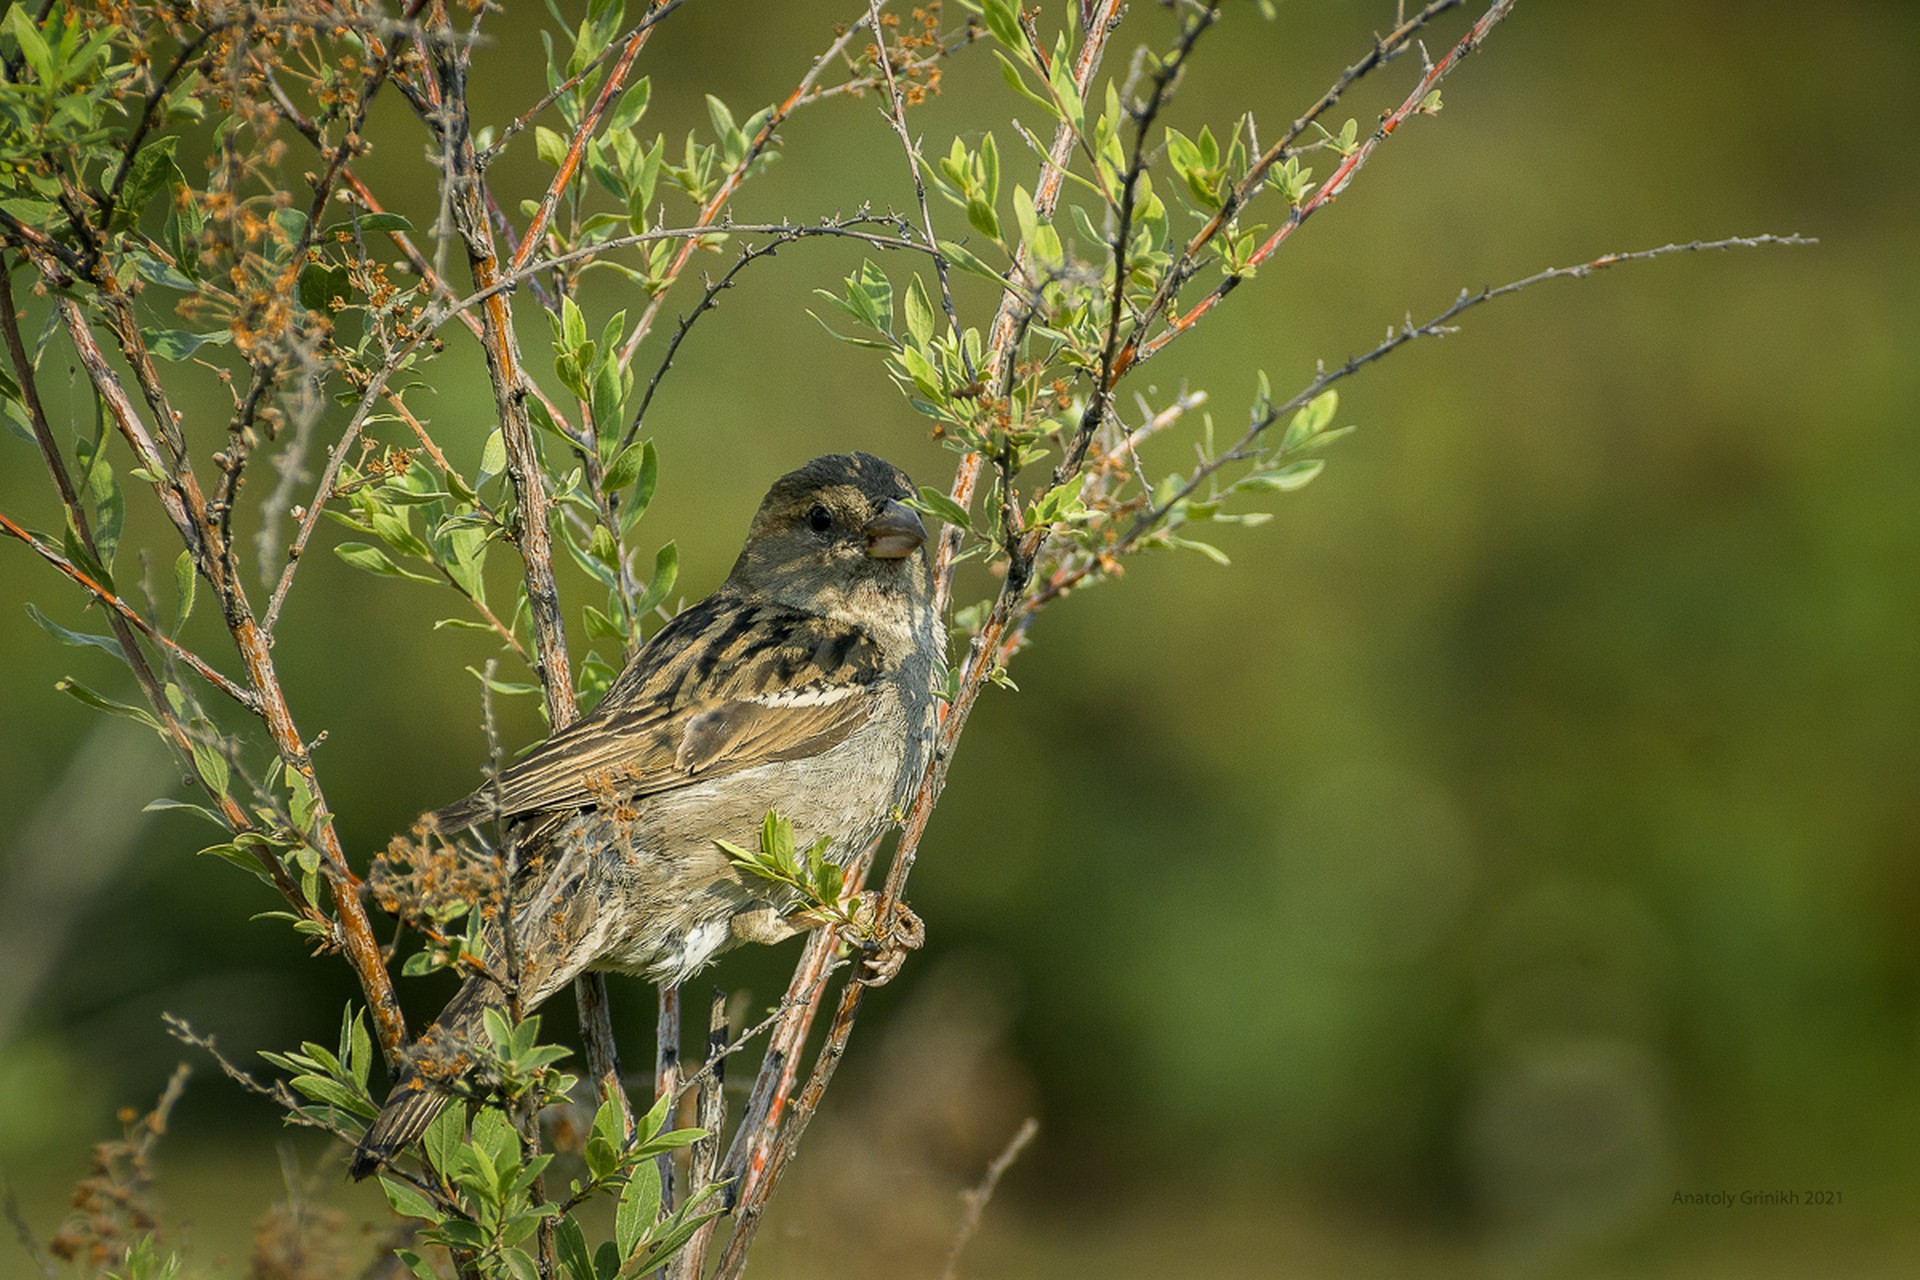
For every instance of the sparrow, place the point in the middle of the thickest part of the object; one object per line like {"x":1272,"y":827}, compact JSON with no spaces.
{"x":802,"y":686}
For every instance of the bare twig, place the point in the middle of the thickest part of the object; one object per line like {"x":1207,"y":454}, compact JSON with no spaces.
{"x":666,"y":1075}
{"x":976,"y":1199}
{"x":711,"y":1114}
{"x":23,"y":1231}
{"x":709,"y":299}
{"x":1438,"y":326}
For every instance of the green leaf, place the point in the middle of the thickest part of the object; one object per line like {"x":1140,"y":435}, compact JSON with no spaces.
{"x":942,"y":507}
{"x":666,"y":571}
{"x":643,"y":486}
{"x":639,"y":1207}
{"x":109,"y":509}
{"x":550,"y":146}
{"x":33,"y":46}
{"x":1060,"y":503}
{"x":419,"y":1266}
{"x":407,"y":1202}
{"x":446,"y":1135}
{"x":99,"y":702}
{"x":723,"y":126}
{"x":1314,"y":417}
{"x":356,"y":1046}
{"x":372,"y":559}
{"x":1208,"y":550}
{"x":920,"y":320}
{"x":964,"y":259}
{"x":626,"y":467}
{"x":493,"y":1136}
{"x":649,"y":1124}
{"x":145,"y":176}
{"x":606,"y":1139}
{"x":1294,"y":475}
{"x":319,"y":285}
{"x":335,"y":1094}
{"x":396,"y":530}
{"x":602,"y":627}
{"x":185,"y":581}
{"x":675,"y":1139}
{"x":626,"y":113}
{"x":1004,"y":25}
{"x":166,"y":803}
{"x":499,"y":1029}
{"x":684,"y":1225}
{"x":926,"y":380}
{"x":249,"y":863}
{"x":1060,"y":77}
{"x":493,"y":456}
{"x":570,"y":1245}
{"x":179,"y":344}
{"x":78,"y":639}
{"x":211,"y":765}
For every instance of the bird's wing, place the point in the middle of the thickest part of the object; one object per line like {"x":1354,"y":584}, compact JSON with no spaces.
{"x":725,"y":686}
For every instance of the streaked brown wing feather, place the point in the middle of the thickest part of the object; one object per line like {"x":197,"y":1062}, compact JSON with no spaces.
{"x":723,"y":687}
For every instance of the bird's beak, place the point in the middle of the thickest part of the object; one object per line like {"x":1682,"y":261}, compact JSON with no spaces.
{"x":894,"y":533}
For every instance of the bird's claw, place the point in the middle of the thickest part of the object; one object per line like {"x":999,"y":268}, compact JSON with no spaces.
{"x":886,"y":944}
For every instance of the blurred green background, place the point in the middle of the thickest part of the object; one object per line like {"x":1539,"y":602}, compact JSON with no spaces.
{"x":1520,"y":832}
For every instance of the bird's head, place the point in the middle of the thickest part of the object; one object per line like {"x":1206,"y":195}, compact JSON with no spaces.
{"x":836,"y":537}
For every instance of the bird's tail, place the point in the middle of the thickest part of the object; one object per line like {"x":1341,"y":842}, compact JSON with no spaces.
{"x":415,"y":1100}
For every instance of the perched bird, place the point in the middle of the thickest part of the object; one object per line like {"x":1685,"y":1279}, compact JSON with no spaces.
{"x":803,"y":686}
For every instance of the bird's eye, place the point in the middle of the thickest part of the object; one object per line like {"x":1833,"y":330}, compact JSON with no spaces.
{"x":819,"y":519}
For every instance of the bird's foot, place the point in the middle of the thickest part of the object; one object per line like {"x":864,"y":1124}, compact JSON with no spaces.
{"x":885,"y":944}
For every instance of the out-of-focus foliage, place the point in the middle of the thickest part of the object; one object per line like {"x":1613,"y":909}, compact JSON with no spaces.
{"x":1519,"y":832}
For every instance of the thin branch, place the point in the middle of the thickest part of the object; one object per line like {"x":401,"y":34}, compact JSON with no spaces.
{"x":897,"y":118}
{"x":711,"y":1114}
{"x":23,"y":1230}
{"x":655,"y":14}
{"x":1016,"y":304}
{"x":666,"y":1075}
{"x":1439,"y":326}
{"x":180,"y":494}
{"x":976,"y":1199}
{"x":1335,"y":184}
{"x":710,"y":211}
{"x":1385,"y":49}
{"x":570,"y":164}
{"x":105,"y":595}
{"x":710,"y":298}
{"x":1101,"y":398}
